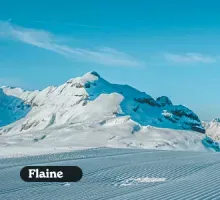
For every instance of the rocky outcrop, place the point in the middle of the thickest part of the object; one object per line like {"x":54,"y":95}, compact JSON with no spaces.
{"x":164,"y":101}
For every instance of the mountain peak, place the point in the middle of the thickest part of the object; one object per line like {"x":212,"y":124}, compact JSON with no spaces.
{"x":88,"y":77}
{"x":216,"y":120}
{"x":94,"y":73}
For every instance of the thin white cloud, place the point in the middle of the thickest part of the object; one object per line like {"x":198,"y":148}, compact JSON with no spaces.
{"x":67,"y":24}
{"x":190,"y":58}
{"x":48,"y":41}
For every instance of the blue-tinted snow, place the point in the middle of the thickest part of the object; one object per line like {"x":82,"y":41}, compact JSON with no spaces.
{"x":11,"y":109}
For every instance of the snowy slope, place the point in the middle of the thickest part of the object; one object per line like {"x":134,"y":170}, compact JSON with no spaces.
{"x":118,"y":133}
{"x":119,"y":174}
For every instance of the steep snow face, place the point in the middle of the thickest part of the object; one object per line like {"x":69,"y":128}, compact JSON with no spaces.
{"x":92,"y":100}
{"x":11,"y":109}
{"x":213,"y":129}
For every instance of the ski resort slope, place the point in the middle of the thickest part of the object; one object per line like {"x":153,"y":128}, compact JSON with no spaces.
{"x":119,"y":174}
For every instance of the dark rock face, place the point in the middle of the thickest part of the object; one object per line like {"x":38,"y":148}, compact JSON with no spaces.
{"x":87,"y":85}
{"x":164,"y":101}
{"x":149,"y":101}
{"x":95,"y":74}
{"x":181,"y":111}
{"x":79,"y":85}
{"x":191,"y":120}
{"x":198,"y":129}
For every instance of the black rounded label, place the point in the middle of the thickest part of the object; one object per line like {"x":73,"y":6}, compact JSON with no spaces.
{"x":51,"y":174}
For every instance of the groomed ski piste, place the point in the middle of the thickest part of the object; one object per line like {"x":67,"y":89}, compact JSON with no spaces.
{"x":119,"y":174}
{"x":128,"y":144}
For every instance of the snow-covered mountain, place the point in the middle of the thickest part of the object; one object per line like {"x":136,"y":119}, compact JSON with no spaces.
{"x":91,"y":99}
{"x":213,"y":129}
{"x":90,"y":110}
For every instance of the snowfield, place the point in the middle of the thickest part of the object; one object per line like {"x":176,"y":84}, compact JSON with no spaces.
{"x":119,"y":174}
{"x":113,"y":135}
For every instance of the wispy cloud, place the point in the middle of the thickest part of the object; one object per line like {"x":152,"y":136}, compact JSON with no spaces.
{"x":67,"y":24}
{"x":49,"y":41}
{"x":190,"y":58}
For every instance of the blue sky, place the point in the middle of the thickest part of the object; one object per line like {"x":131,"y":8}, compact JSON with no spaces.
{"x":161,"y":47}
